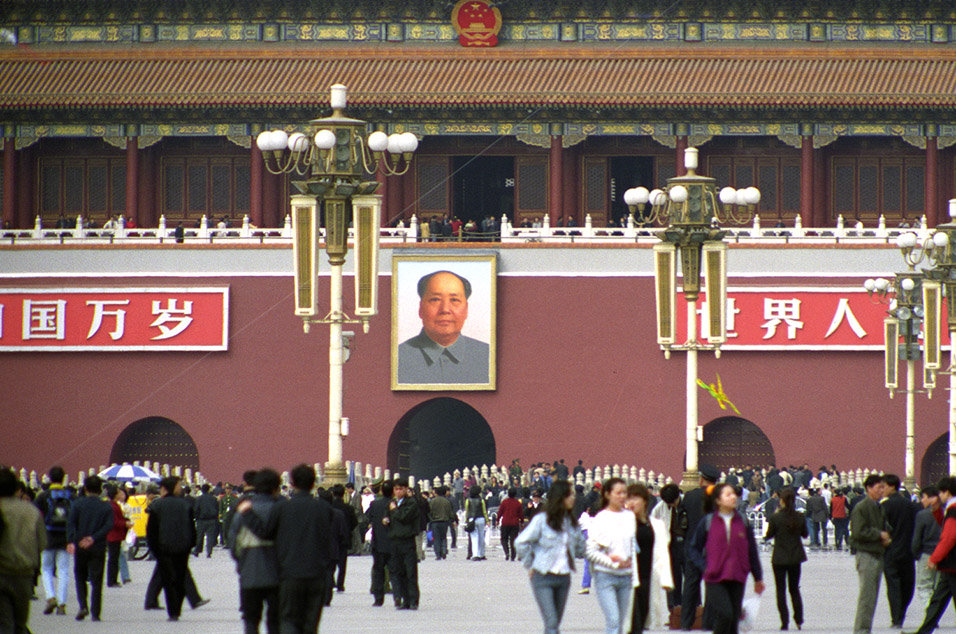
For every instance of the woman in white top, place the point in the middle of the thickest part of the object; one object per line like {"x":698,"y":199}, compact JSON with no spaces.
{"x":611,"y":549}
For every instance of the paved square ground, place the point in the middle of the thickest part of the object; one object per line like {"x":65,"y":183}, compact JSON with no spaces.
{"x":458,"y":596}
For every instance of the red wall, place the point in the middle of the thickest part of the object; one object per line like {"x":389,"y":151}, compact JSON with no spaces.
{"x":579,"y":377}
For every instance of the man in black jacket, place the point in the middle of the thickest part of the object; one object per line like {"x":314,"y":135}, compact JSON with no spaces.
{"x":207,"y":520}
{"x":351,"y":521}
{"x":90,"y":521}
{"x":171,"y":534}
{"x":301,"y":528}
{"x":403,"y":528}
{"x":377,"y":515}
{"x":899,"y":569}
{"x":693,"y":508}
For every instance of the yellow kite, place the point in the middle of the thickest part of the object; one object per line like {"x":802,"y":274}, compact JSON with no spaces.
{"x":718,"y":393}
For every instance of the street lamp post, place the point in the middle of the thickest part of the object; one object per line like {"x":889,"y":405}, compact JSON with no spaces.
{"x":689,"y":204}
{"x":916,"y":305}
{"x":334,"y":163}
{"x":945,"y":272}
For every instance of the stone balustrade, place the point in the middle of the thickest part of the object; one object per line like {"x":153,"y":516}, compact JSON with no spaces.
{"x":754,"y":232}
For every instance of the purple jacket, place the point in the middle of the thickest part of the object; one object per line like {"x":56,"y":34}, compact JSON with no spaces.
{"x":720,"y":560}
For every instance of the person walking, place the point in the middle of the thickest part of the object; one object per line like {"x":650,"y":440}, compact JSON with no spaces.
{"x":840,"y":516}
{"x":611,"y":549}
{"x":442,"y":515}
{"x":692,"y":509}
{"x":301,"y":528}
{"x":868,"y":540}
{"x":547,"y":548}
{"x":724,"y":547}
{"x":786,"y":528}
{"x":116,"y":537}
{"x":22,"y":541}
{"x":818,"y":512}
{"x":171,"y":535}
{"x":403,"y":528}
{"x":943,"y":559}
{"x":926,"y":534}
{"x":207,"y":521}
{"x":899,"y":568}
{"x":476,"y":514}
{"x":90,"y":521}
{"x":256,"y":560}
{"x":56,"y":505}
{"x":377,"y":515}
{"x":653,"y":563}
{"x":510,"y":514}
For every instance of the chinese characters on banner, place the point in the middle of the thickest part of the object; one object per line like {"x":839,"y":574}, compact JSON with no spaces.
{"x":113,"y":319}
{"x":798,"y":318}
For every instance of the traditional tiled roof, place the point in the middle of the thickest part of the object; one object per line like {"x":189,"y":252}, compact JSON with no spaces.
{"x":412,"y":77}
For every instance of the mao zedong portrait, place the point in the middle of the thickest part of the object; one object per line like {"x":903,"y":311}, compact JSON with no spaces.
{"x":440,"y":353}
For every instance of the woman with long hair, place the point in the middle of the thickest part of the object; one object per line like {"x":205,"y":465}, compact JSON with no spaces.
{"x":653,"y":563}
{"x":547,"y":547}
{"x":787,"y":527}
{"x":476,"y":514}
{"x":723,"y":546}
{"x":611,"y":549}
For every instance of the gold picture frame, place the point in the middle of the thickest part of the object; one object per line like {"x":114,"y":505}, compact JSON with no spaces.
{"x":442,"y":341}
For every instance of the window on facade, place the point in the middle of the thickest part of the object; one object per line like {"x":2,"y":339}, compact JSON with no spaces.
{"x":866,"y":187}
{"x":777,"y":178}
{"x":92,"y":187}
{"x":197,"y":186}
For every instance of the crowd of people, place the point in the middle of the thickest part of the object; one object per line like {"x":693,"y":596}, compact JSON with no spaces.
{"x":646,"y":553}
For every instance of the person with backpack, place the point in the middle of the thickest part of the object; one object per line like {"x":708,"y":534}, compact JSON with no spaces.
{"x":55,"y":504}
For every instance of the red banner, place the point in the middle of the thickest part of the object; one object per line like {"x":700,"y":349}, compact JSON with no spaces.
{"x":113,"y":319}
{"x":798,"y":318}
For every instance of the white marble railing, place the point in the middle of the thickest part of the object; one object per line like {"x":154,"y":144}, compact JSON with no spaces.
{"x":752,"y":233}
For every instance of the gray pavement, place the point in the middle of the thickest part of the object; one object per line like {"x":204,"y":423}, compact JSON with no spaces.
{"x":458,"y":596}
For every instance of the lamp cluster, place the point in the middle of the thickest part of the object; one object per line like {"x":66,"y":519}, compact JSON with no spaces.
{"x":336,"y":147}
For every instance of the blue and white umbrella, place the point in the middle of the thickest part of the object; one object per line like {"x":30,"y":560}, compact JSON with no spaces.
{"x":129,"y":473}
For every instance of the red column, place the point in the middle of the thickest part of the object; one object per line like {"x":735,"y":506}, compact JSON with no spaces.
{"x":681,"y":146}
{"x":806,"y":181}
{"x":148,"y":175}
{"x":822,"y":217}
{"x":271,"y":216}
{"x":555,"y":190}
{"x":9,"y":182}
{"x":931,"y":191}
{"x":256,"y":166}
{"x":395,"y":198}
{"x":132,"y":181}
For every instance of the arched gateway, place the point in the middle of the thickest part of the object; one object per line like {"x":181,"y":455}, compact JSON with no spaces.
{"x":439,"y":436}
{"x":156,"y":439}
{"x":935,"y":463}
{"x":731,"y":441}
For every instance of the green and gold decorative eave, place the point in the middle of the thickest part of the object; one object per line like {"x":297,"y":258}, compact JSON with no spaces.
{"x":535,"y":134}
{"x":594,"y":31}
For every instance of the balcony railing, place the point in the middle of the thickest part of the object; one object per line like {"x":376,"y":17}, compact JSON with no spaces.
{"x":752,"y":233}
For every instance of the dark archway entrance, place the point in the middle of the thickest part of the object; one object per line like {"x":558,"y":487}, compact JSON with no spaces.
{"x":935,"y":463}
{"x":732,"y":441}
{"x":156,"y":439}
{"x":439,"y":436}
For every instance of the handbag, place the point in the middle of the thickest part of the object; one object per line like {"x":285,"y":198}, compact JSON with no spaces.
{"x":470,"y":526}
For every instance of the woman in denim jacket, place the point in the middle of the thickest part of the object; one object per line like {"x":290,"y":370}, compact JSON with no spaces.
{"x":548,"y":548}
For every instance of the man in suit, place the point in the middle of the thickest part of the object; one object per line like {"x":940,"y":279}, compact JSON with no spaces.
{"x":899,"y":569}
{"x":171,"y":535}
{"x":692,"y":507}
{"x":90,"y":521}
{"x":403,"y":528}
{"x":381,"y":543}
